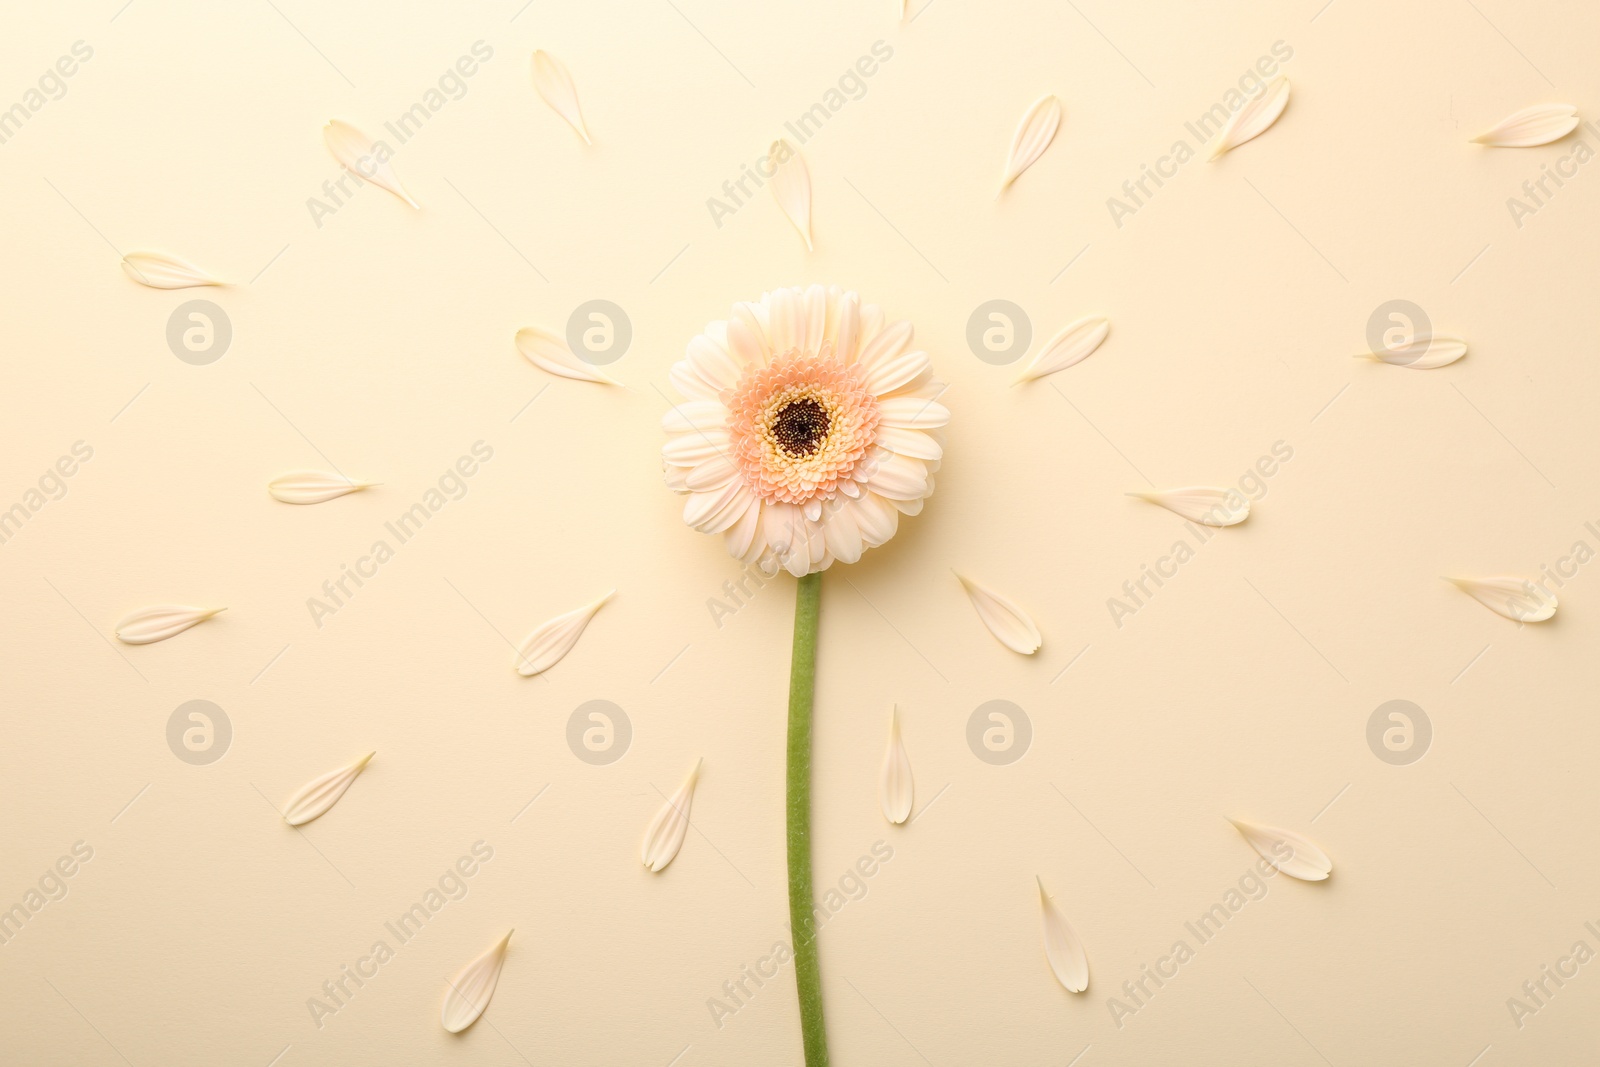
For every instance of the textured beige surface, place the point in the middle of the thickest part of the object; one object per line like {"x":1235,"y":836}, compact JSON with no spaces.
{"x":381,"y":342}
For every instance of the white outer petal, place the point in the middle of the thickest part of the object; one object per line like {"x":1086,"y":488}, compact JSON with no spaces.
{"x":914,"y":443}
{"x":695,"y":447}
{"x":695,"y":415}
{"x":912,"y":413}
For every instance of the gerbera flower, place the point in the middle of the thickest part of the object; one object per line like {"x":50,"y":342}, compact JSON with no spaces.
{"x":810,"y":427}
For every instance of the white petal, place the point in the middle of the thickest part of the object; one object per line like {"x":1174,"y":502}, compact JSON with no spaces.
{"x":161,"y":271}
{"x":791,"y":188}
{"x":899,"y":477}
{"x":1073,"y":344}
{"x":748,"y":340}
{"x":1204,"y":504}
{"x":781,"y":525}
{"x":1009,"y":623}
{"x":913,"y":443}
{"x":469,"y":991}
{"x":871,"y":323}
{"x":312,"y":487}
{"x":550,"y":353}
{"x":683,"y":378}
{"x":696,"y":416}
{"x":320,"y":794}
{"x":1062,"y":949}
{"x":896,"y":372}
{"x":1518,"y":599}
{"x":157,"y":624}
{"x":912,"y":506}
{"x":813,"y":323}
{"x":1034,"y":134}
{"x":551,"y":79}
{"x":876,"y":518}
{"x":1254,"y":118}
{"x":714,"y":473}
{"x":544,"y":647}
{"x":912,"y":413}
{"x":1289,"y":852}
{"x":1532,"y":126}
{"x":841,"y":533}
{"x":713,"y":363}
{"x":895,"y":789}
{"x":1422,"y":353}
{"x":847,"y":332}
{"x":885,"y":344}
{"x":741,"y":536}
{"x":783,"y":320}
{"x":665,"y":834}
{"x":694,"y":447}
{"x":716,"y":510}
{"x":361,"y":156}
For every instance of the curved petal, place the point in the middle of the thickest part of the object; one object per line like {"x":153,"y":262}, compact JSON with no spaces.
{"x":896,"y":372}
{"x":714,"y":473}
{"x":714,"y":511}
{"x":783,"y":320}
{"x":1034,"y":134}
{"x":695,"y":447}
{"x":741,"y":536}
{"x":847,"y":332}
{"x":875,"y":517}
{"x":1292,"y":854}
{"x":552,"y":640}
{"x":871,"y":325}
{"x":897,"y":477}
{"x":683,"y":378}
{"x":712,"y":362}
{"x":842,"y":534}
{"x":912,"y":413}
{"x":891,"y":341}
{"x":913,"y":443}
{"x":1010,"y":625}
{"x":1062,"y":948}
{"x":813,"y":319}
{"x":695,"y":416}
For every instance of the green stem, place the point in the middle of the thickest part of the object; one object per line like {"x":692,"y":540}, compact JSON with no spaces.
{"x":802,"y":687}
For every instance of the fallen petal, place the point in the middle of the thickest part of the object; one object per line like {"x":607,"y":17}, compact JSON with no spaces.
{"x":545,"y":647}
{"x":1532,"y":126}
{"x":554,"y":83}
{"x":1289,"y":852}
{"x":1062,"y":948}
{"x":895,"y":789}
{"x":161,"y":271}
{"x":320,"y":794}
{"x":1204,"y":504}
{"x":548,"y":352}
{"x":1074,"y":344}
{"x":364,"y":158}
{"x":1518,"y":599}
{"x":312,"y":487}
{"x":1252,"y":120}
{"x":791,"y":187}
{"x":157,"y":624}
{"x":469,"y":992}
{"x":1010,"y":625}
{"x":665,"y":834}
{"x":1034,"y":134}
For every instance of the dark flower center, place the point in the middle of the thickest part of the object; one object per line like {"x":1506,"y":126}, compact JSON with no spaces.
{"x":801,"y":427}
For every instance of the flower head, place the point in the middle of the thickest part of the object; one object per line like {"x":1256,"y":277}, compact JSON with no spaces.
{"x":810,"y":427}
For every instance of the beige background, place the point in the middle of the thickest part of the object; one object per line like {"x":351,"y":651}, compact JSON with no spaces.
{"x":381,"y":342}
